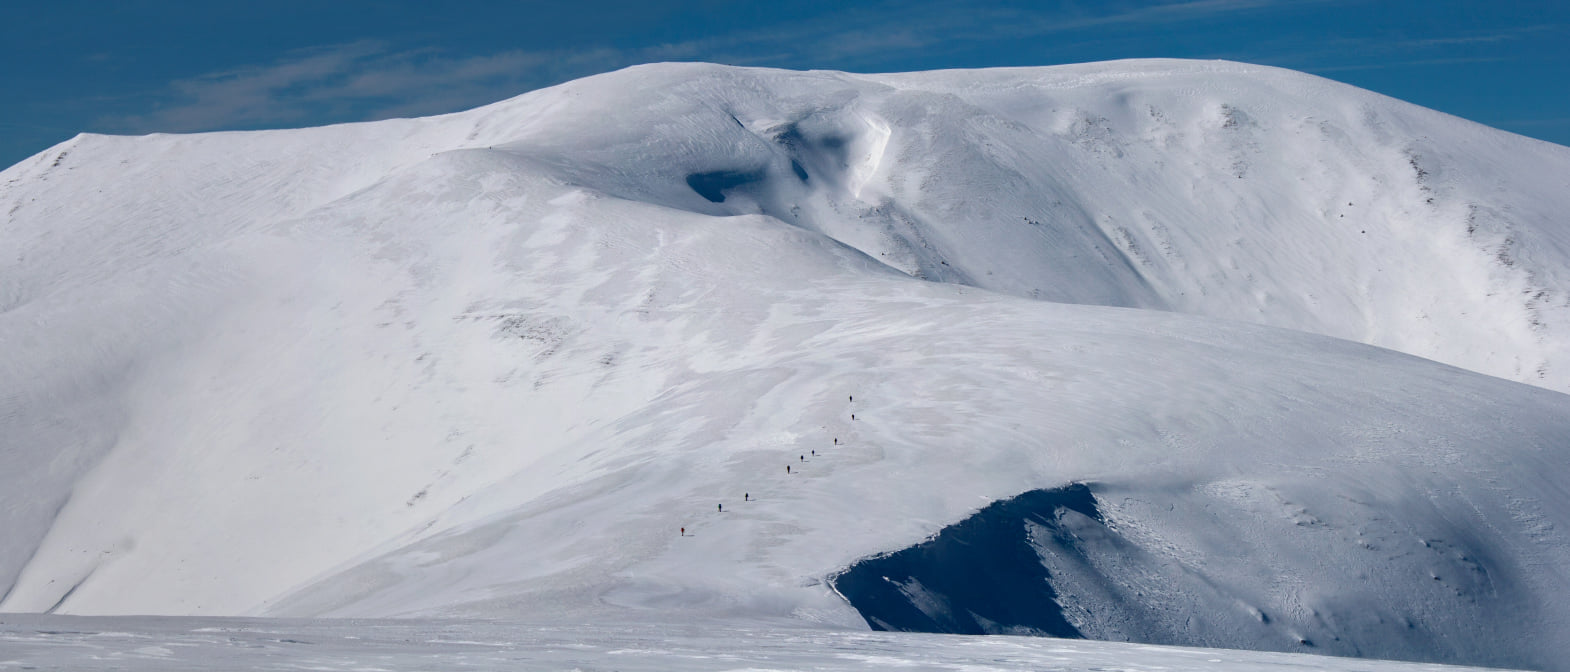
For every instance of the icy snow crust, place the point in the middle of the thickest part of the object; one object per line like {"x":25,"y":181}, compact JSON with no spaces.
{"x":488,"y":364}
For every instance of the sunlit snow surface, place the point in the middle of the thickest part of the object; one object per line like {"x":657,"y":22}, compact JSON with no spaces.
{"x":491,"y":364}
{"x":169,"y":644}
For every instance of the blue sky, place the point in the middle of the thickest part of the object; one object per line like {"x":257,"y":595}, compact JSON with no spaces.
{"x":140,"y":66}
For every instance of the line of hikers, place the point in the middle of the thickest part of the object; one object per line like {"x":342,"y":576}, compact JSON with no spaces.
{"x":747,"y":496}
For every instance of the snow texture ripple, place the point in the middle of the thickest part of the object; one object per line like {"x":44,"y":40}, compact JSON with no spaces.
{"x":1308,"y":342}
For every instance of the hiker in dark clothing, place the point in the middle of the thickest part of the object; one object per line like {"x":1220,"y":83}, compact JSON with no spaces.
{"x":787,"y":468}
{"x":721,"y":508}
{"x":683,"y":531}
{"x":746,"y":497}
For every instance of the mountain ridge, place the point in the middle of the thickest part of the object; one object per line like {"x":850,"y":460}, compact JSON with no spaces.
{"x":493,"y":361}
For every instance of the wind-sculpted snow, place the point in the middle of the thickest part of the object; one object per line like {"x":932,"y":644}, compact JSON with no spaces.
{"x":514,"y":360}
{"x":1049,"y":562}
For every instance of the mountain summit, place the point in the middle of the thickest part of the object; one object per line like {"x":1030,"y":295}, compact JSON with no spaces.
{"x":693,"y":340}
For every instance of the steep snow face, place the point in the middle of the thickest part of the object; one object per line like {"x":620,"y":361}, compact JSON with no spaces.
{"x":491,"y":363}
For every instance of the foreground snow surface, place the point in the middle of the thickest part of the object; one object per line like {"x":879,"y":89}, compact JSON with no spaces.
{"x":491,"y":364}
{"x":167,"y":644}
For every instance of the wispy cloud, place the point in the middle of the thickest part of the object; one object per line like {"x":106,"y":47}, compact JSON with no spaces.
{"x":1418,"y":63}
{"x":1150,"y":15}
{"x":1389,"y":52}
{"x":1555,"y":122}
{"x":877,"y":31}
{"x":360,"y":80}
{"x":1493,"y":37}
{"x":371,"y":79}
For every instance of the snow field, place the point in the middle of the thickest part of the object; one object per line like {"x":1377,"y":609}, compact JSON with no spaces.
{"x":488,"y":364}
{"x":100,"y":643}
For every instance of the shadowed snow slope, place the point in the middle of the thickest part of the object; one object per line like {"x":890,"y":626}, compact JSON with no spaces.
{"x":489,"y":363}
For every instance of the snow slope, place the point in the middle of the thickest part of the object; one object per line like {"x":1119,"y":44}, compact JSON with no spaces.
{"x":488,"y":363}
{"x":133,"y":644}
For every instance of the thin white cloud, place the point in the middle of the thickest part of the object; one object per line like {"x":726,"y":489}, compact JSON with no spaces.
{"x":1474,"y":39}
{"x":1422,"y":62}
{"x":1554,"y":121}
{"x":250,"y":95}
{"x":876,"y":30}
{"x":373,"y":80}
{"x":1379,"y":53}
{"x":1159,"y":14}
{"x":360,"y":80}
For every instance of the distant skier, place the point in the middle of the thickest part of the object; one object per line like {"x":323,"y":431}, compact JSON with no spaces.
{"x":853,"y":416}
{"x":853,"y":398}
{"x":746,"y":497}
{"x":683,"y":531}
{"x":721,"y":508}
{"x":836,"y":440}
{"x":803,"y":458}
{"x":787,"y":468}
{"x":814,"y":452}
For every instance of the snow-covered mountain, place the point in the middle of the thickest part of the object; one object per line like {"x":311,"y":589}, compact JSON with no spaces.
{"x":491,"y":363}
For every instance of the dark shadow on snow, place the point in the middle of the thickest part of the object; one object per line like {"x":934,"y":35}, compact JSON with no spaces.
{"x":982,"y":575}
{"x":713,"y":185}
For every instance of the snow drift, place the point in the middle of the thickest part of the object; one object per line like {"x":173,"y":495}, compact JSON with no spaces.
{"x":489,"y":363}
